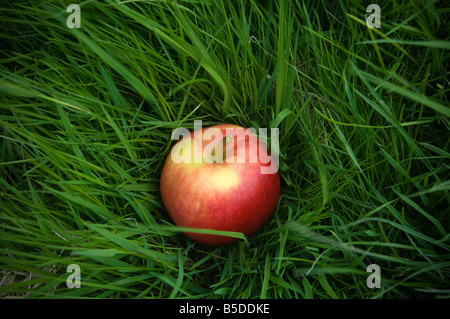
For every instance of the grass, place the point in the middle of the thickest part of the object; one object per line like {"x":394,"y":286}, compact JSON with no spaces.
{"x":86,"y":117}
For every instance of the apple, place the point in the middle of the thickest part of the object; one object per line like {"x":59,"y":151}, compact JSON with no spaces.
{"x":220,"y":183}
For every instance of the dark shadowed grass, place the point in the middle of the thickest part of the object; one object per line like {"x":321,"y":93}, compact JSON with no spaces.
{"x":86,"y":117}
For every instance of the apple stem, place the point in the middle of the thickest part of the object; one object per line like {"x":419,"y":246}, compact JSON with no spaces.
{"x":227,"y":140}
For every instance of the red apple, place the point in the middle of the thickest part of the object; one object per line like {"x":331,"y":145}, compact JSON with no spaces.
{"x":220,"y":190}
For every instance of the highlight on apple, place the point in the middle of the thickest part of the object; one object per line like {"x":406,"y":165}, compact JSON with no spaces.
{"x":231,"y":145}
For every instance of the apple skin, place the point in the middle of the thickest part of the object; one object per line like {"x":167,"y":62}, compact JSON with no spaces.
{"x":221,"y":196}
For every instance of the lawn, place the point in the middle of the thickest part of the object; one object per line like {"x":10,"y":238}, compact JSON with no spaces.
{"x":86,"y":116}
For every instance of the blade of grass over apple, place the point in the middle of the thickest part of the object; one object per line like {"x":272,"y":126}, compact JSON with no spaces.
{"x":232,"y":234}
